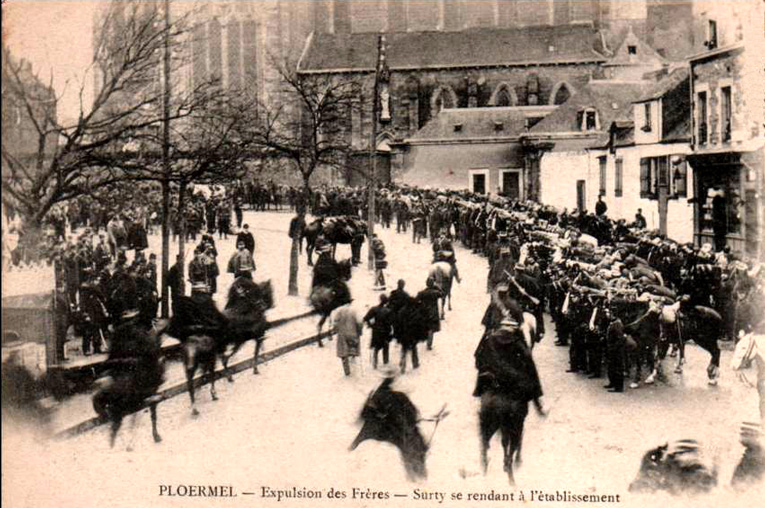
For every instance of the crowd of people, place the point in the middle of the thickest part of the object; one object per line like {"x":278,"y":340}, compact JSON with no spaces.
{"x":621,"y":296}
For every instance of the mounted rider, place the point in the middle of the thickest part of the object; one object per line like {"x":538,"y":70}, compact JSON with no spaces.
{"x":443,"y":250}
{"x":505,"y":365}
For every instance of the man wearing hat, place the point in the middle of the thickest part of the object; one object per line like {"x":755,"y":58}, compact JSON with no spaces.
{"x":348,"y":328}
{"x":246,"y":237}
{"x":378,"y":249}
{"x":198,"y":276}
{"x":241,"y":263}
{"x":380,"y":319}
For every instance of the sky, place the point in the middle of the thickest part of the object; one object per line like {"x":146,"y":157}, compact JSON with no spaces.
{"x":56,"y":37}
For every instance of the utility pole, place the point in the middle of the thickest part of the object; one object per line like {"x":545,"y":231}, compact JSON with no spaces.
{"x":166,"y":163}
{"x":372,"y":180}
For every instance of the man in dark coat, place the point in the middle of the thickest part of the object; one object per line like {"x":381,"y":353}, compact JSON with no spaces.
{"x":615,"y":351}
{"x":600,"y":207}
{"x":297,"y":226}
{"x":246,"y":237}
{"x":398,"y":297}
{"x":380,"y":319}
{"x":505,"y":366}
{"x":174,"y":283}
{"x":428,"y":297}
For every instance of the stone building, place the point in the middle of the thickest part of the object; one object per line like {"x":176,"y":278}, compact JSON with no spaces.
{"x":23,"y":134}
{"x":442,"y":70}
{"x":728,"y":126}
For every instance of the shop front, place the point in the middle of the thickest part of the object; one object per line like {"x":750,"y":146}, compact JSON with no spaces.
{"x":729,"y":205}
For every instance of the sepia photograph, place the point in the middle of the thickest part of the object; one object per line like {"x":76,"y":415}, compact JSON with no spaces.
{"x":383,"y":253}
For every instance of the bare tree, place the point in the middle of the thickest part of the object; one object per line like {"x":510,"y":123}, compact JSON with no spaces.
{"x":308,"y":126}
{"x":87,"y":153}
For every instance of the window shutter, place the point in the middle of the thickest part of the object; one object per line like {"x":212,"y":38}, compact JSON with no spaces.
{"x":645,"y":178}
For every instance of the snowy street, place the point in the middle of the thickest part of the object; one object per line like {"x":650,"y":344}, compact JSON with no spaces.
{"x":291,"y":425}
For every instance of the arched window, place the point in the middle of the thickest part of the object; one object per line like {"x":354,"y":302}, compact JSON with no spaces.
{"x":503,"y":96}
{"x":443,"y":97}
{"x":560,"y":94}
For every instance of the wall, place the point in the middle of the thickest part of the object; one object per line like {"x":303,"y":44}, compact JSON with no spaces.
{"x":679,"y":212}
{"x":446,"y":166}
{"x":671,"y":28}
{"x":558,"y":173}
{"x":404,"y":101}
{"x":728,"y":70}
{"x":642,"y":137}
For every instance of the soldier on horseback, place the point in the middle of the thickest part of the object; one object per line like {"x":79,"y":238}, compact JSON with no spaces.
{"x":443,"y":250}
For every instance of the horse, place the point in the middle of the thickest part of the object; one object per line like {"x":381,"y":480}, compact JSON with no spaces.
{"x":443,"y":273}
{"x":343,"y":229}
{"x":329,"y":289}
{"x":507,"y":380}
{"x":207,"y":333}
{"x":705,"y":326}
{"x":245,"y":311}
{"x":750,"y":349}
{"x":135,"y":371}
{"x":390,"y":416}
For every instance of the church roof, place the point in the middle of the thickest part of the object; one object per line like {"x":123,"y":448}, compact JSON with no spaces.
{"x":478,"y":123}
{"x":486,"y":47}
{"x":611,"y":99}
{"x":642,"y":53}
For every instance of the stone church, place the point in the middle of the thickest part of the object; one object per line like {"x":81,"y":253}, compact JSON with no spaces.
{"x":520,"y":58}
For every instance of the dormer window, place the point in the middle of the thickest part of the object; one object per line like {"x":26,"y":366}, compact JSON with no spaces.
{"x":499,"y":126}
{"x":632,"y":50}
{"x":457,"y":127}
{"x":647,"y":117}
{"x":589,"y":119}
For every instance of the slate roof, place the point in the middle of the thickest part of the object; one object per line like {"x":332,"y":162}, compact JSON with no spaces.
{"x":485,"y":47}
{"x":476,"y":123}
{"x":611,"y":99}
{"x":665,"y":85}
{"x":645,"y":54}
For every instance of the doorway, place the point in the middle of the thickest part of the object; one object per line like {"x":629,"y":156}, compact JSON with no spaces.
{"x":510,"y":186}
{"x":479,"y":180}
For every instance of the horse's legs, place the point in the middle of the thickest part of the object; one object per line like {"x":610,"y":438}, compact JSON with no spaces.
{"x":309,"y":252}
{"x":443,"y":307}
{"x":508,"y":452}
{"x":258,"y":344}
{"x":154,"y":432}
{"x":224,"y":358}
{"x":191,"y":368}
{"x":210,"y":368}
{"x":133,"y":423}
{"x":713,"y":370}
{"x":116,"y":424}
{"x":321,"y":325}
{"x":449,"y":298}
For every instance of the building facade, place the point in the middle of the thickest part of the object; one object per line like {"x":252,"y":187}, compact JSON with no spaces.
{"x":727,"y":81}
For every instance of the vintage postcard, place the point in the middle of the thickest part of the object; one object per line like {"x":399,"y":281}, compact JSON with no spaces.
{"x":383,"y":253}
